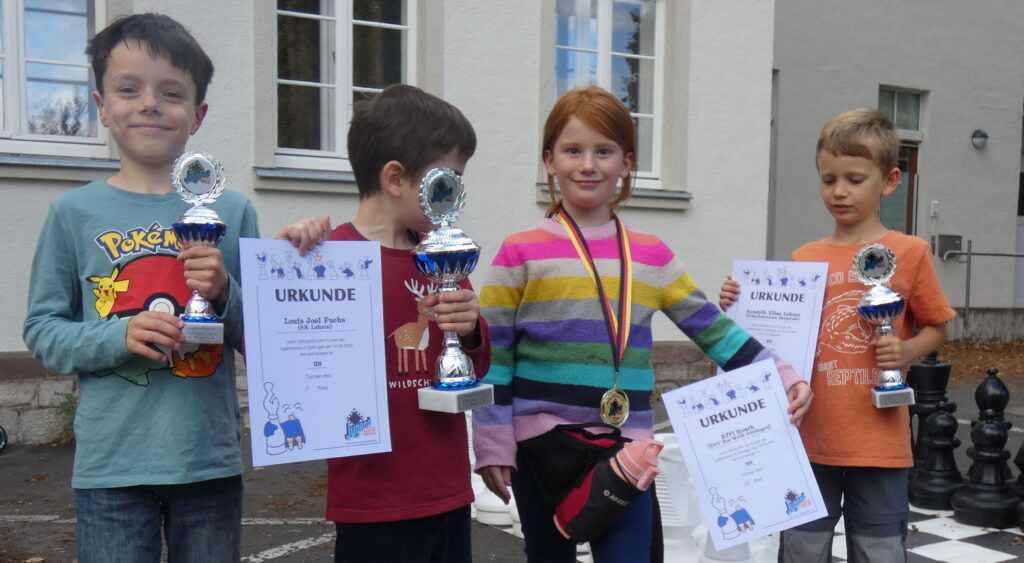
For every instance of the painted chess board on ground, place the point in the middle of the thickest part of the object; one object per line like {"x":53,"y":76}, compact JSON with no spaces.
{"x":933,"y":536}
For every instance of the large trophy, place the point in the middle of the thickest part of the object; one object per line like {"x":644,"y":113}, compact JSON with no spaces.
{"x":446,"y":256}
{"x":199,"y":179}
{"x":875,"y":265}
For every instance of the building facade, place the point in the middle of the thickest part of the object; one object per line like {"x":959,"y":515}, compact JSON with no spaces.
{"x":697,"y":76}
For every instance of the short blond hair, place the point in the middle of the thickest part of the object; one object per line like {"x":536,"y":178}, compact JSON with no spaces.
{"x":863,"y":132}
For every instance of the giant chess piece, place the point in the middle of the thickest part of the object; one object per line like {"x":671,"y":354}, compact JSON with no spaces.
{"x":929,"y":379}
{"x":938,"y":478}
{"x":988,"y":499}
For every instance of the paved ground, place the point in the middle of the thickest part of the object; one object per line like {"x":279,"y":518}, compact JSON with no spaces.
{"x":284,"y":523}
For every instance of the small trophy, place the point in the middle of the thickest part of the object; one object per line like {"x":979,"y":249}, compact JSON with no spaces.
{"x":199,"y":179}
{"x":875,"y":265}
{"x":446,"y":256}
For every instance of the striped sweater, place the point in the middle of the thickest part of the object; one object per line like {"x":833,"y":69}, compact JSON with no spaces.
{"x":551,"y":358}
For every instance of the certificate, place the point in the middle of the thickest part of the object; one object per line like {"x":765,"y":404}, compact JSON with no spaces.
{"x":749,"y":469}
{"x":314,"y":350}
{"x":780,"y":305}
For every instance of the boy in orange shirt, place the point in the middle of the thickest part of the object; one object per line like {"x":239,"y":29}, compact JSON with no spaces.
{"x":859,"y":453}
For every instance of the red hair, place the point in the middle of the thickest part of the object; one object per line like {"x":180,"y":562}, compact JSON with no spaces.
{"x":598,"y":109}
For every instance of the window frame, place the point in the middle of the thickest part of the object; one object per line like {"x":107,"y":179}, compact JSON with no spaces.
{"x":904,"y":134}
{"x":337,"y":159}
{"x":605,"y":55}
{"x":14,"y":94}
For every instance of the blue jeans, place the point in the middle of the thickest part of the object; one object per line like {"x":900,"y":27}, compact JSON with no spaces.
{"x":629,"y":539}
{"x":201,"y":521}
{"x":442,"y":538}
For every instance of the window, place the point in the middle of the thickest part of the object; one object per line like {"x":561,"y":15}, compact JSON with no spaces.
{"x":615,"y":44}
{"x":46,"y":78}
{"x":331,"y":53}
{"x":904,"y":109}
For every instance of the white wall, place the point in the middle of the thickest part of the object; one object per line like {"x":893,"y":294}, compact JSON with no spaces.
{"x":494,"y":60}
{"x":832,"y":55}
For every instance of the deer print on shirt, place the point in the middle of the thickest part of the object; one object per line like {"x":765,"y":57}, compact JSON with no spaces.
{"x":414,"y":335}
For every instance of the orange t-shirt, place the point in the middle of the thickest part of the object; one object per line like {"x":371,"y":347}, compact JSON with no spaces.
{"x":843,"y":427}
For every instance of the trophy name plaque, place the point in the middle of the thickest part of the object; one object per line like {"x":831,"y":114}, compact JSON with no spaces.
{"x":446,"y":256}
{"x":199,"y":179}
{"x":875,"y":265}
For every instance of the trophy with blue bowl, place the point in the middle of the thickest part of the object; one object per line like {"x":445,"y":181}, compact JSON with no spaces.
{"x":199,"y":179}
{"x":875,"y":265}
{"x":446,"y":256}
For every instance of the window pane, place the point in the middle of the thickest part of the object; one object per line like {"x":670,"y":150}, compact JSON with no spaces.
{"x":56,"y":36}
{"x":305,"y":117}
{"x":633,"y":27}
{"x":644,"y":143}
{"x":385,"y":11}
{"x":576,"y":23}
{"x":633,"y":82}
{"x":320,"y":7}
{"x":77,"y":6}
{"x":894,"y":206}
{"x":574,"y":69}
{"x":887,"y":103}
{"x":305,"y":49}
{"x":363,"y":96}
{"x":77,"y":75}
{"x":3,"y":118}
{"x":377,"y":56}
{"x":56,"y":108}
{"x":908,"y":110}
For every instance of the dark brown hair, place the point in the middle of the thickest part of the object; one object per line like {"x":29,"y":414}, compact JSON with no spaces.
{"x":162,"y":36}
{"x":407,"y":125}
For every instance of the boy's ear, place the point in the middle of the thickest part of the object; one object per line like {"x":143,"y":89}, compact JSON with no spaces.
{"x":892,"y":181}
{"x":102,"y":109}
{"x":391,"y":175}
{"x":200,"y":115}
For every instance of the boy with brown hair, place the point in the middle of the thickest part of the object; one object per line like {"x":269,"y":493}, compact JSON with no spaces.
{"x":410,"y":505}
{"x":158,"y":423}
{"x":859,"y":453}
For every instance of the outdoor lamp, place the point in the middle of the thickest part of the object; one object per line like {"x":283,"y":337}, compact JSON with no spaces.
{"x":979,"y":139}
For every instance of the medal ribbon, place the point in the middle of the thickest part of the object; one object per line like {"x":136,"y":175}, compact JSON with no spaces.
{"x":618,"y":332}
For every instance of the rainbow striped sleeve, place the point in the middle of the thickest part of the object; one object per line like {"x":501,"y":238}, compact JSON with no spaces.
{"x":725,"y":342}
{"x":493,"y":436}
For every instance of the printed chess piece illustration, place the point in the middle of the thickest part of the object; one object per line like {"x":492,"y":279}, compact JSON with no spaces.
{"x":272,"y":430}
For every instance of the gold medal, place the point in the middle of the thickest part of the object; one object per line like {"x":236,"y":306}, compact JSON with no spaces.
{"x":614,"y":407}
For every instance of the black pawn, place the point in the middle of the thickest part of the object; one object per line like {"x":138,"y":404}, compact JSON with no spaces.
{"x":929,"y":379}
{"x":988,"y":499}
{"x":934,"y":484}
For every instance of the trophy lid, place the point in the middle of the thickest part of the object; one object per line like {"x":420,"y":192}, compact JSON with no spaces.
{"x":442,"y":196}
{"x":198,"y":178}
{"x":874,"y":264}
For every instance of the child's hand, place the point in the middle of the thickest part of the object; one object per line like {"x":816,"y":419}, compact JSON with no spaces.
{"x":152,"y":327}
{"x":890,"y":352}
{"x":800,"y":397}
{"x":205,"y":273}
{"x":454,"y":310}
{"x":498,"y":479}
{"x":307,"y":233}
{"x":729,"y":294}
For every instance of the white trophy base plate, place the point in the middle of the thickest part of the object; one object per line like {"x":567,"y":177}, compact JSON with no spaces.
{"x":894,"y":398}
{"x":204,"y":333}
{"x":456,"y":401}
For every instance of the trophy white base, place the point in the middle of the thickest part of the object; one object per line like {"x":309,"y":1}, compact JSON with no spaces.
{"x":894,"y":398}
{"x":461,"y":400}
{"x":204,"y":333}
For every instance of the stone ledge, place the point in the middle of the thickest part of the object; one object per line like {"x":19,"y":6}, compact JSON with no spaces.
{"x":20,"y":365}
